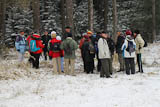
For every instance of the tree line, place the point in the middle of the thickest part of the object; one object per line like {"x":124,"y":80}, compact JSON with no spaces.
{"x":102,"y":10}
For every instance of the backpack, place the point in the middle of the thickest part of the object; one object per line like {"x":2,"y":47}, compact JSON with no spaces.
{"x":33,"y":46}
{"x":91,"y":48}
{"x":55,"y":47}
{"x":68,"y":49}
{"x":131,"y":47}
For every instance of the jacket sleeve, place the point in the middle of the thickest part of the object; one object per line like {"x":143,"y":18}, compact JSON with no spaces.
{"x":40,"y":44}
{"x":100,"y":45}
{"x":75,"y":45}
{"x":140,"y":41}
{"x":81,"y":43}
{"x":62,"y":45}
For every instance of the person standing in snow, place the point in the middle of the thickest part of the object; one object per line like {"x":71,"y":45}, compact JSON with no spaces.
{"x":55,"y":53}
{"x":35,"y":49}
{"x":21,"y":45}
{"x":104,"y":56}
{"x":45,"y":39}
{"x":88,"y":53}
{"x":128,"y":48}
{"x":62,"y":56}
{"x":139,"y":48}
{"x":69,"y":46}
{"x":120,"y":41}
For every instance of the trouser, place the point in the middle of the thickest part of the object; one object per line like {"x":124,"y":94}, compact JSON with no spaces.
{"x":130,"y":65}
{"x":139,"y":61}
{"x":57,"y":65}
{"x":45,"y":53}
{"x":62,"y":62}
{"x":89,"y":66}
{"x":99,"y":65}
{"x":20,"y":57}
{"x":84,"y":66}
{"x":121,"y":61}
{"x":69,"y":66}
{"x":110,"y":66}
{"x":105,"y":67}
{"x":34,"y":59}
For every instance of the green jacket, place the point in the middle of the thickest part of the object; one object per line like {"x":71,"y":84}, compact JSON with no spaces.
{"x":73,"y":46}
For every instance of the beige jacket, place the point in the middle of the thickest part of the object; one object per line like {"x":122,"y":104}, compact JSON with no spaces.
{"x":139,"y":44}
{"x":103,"y":49}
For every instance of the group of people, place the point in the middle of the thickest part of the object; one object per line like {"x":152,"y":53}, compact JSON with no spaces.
{"x":61,"y":50}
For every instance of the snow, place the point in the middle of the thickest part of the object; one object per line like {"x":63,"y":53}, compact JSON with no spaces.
{"x":43,"y":89}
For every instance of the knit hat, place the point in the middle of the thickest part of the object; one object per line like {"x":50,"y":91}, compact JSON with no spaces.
{"x":137,"y":31}
{"x":84,"y":34}
{"x":89,"y":32}
{"x":128,"y":32}
{"x":53,"y":34}
{"x":58,"y":38}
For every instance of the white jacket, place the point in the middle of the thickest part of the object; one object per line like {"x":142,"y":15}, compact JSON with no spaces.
{"x":126,"y":54}
{"x":103,"y":48}
{"x":139,"y":44}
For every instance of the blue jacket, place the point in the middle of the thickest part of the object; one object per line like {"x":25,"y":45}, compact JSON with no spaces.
{"x":21,"y":44}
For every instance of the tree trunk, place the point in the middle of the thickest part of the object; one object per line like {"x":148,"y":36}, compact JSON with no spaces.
{"x":114,"y":19}
{"x":90,"y":15}
{"x":69,"y":15}
{"x":63,"y":15}
{"x":36,"y":15}
{"x":2,"y":20}
{"x":153,"y":22}
{"x":105,"y":15}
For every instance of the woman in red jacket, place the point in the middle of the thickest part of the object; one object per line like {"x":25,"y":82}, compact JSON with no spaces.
{"x":55,"y":52}
{"x":36,"y":55}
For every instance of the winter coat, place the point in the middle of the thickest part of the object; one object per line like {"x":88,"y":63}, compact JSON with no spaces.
{"x":81,"y":42}
{"x":39,"y":44}
{"x":86,"y":52}
{"x":126,"y":54}
{"x":73,"y":47}
{"x":51,"y":52}
{"x":46,"y":39}
{"x":103,"y":47}
{"x":120,"y":41}
{"x":139,"y":44}
{"x":21,"y":44}
{"x":111,"y":45}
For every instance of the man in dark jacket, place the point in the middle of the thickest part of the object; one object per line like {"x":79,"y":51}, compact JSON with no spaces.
{"x":120,"y":41}
{"x":67,"y":30}
{"x":45,"y":39}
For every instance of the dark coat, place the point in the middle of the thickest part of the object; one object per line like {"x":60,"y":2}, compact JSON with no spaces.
{"x":111,"y":45}
{"x":85,"y":51}
{"x":120,"y":41}
{"x":46,"y":40}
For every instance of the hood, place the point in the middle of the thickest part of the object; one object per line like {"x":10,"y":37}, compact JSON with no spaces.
{"x":129,"y":37}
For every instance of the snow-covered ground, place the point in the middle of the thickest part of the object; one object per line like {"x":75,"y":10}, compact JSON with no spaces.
{"x":22,"y":86}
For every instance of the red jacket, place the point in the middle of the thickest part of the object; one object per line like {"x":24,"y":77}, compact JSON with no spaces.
{"x":55,"y":54}
{"x":38,"y":42}
{"x":81,"y":42}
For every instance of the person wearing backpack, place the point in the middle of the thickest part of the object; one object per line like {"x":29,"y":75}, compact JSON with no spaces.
{"x":45,"y":39}
{"x":69,"y":46}
{"x":21,"y":45}
{"x":128,"y":48}
{"x":55,"y":53}
{"x":88,"y":55}
{"x":119,"y":43}
{"x":35,"y":49}
{"x":139,"y":48}
{"x":104,"y":56}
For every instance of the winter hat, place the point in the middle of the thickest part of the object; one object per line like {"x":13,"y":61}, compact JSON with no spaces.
{"x":89,"y":32}
{"x":53,"y":34}
{"x":58,"y":38}
{"x":69,"y":34}
{"x":128,"y":32}
{"x":84,"y":34}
